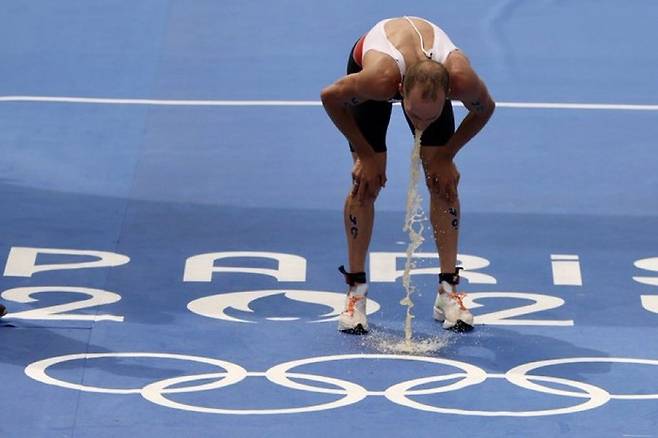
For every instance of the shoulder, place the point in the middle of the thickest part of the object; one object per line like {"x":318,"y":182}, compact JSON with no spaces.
{"x":378,"y":85}
{"x":380,"y":76}
{"x":464,"y":81}
{"x":359,"y":87}
{"x":467,"y":87}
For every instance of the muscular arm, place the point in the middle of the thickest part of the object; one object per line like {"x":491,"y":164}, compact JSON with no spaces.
{"x":469,"y":89}
{"x":352,"y":90}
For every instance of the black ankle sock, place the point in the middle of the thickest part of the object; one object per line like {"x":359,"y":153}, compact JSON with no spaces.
{"x":354,"y":277}
{"x":450,"y":277}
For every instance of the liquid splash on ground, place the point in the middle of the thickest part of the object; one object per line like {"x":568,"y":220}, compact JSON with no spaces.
{"x":390,"y":343}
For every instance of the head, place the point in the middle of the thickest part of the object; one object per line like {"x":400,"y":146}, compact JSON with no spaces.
{"x":424,"y":89}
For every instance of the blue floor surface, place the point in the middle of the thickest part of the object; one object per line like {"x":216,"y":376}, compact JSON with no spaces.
{"x":196,"y":247}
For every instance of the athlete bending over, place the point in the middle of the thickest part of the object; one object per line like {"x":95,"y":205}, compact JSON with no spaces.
{"x":412,"y":60}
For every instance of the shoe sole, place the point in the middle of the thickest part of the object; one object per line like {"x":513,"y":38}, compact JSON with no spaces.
{"x":460,"y":327}
{"x":358,"y":330}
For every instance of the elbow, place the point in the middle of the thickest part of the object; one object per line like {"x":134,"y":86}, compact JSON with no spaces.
{"x":489,"y":108}
{"x":333,"y":96}
{"x":328,"y":95}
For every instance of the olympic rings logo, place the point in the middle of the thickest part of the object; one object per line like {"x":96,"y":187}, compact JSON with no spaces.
{"x":348,"y":392}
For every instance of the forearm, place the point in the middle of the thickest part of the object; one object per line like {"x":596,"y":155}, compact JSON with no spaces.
{"x":468,"y":128}
{"x":341,"y":116}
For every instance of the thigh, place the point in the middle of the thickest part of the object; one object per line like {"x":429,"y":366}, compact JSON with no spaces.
{"x":372,"y":118}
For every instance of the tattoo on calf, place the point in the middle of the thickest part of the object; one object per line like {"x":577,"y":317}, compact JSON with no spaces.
{"x":354,"y":231}
{"x":455,"y":221}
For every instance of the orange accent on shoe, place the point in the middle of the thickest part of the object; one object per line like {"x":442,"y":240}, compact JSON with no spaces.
{"x":459,"y":298}
{"x":351,"y":302}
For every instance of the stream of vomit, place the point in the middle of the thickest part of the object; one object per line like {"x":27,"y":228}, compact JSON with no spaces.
{"x":413,"y":225}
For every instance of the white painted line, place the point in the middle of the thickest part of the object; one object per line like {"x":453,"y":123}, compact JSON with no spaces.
{"x":563,"y":257}
{"x":250,"y":103}
{"x":650,"y":303}
{"x":566,"y":270}
{"x":577,"y":106}
{"x":113,"y":101}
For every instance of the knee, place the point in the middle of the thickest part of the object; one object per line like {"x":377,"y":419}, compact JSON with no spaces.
{"x":362,"y":200}
{"x":443,"y":188}
{"x":444,"y":201}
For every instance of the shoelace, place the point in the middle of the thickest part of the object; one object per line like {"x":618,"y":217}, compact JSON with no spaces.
{"x":351,"y":303}
{"x":459,"y":298}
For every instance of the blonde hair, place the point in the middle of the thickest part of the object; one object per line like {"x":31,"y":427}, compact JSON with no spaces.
{"x":430,"y":75}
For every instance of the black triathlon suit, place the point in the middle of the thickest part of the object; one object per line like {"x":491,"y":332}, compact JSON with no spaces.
{"x":372,"y":118}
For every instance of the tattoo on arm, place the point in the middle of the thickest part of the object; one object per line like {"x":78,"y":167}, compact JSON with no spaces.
{"x":477,"y":106}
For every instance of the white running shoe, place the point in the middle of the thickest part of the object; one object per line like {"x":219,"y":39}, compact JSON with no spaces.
{"x":449,"y":308}
{"x":353,"y":319}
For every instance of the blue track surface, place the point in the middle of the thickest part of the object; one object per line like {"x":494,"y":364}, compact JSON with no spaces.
{"x":559,"y":206}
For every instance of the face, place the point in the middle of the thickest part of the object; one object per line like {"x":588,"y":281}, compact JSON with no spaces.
{"x":423,"y":112}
